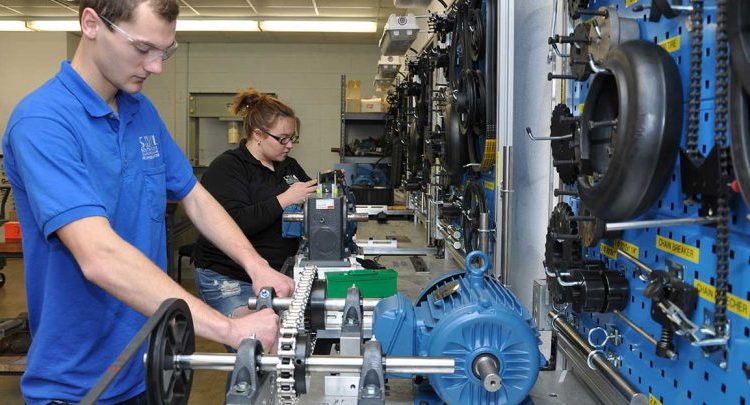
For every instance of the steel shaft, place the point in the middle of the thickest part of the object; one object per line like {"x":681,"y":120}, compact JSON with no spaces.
{"x":331,"y":304}
{"x":324,"y":364}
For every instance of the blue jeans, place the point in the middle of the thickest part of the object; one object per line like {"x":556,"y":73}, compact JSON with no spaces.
{"x":221,"y":292}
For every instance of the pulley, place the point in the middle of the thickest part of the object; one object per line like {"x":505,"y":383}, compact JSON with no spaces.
{"x":474,"y":206}
{"x":630,"y":131}
{"x":738,"y":29}
{"x":739,"y":105}
{"x":455,"y":148}
{"x":608,"y":31}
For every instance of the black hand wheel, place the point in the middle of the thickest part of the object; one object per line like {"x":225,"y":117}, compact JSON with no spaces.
{"x":167,"y":383}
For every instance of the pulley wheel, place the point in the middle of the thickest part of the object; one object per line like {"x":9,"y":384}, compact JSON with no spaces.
{"x":739,"y":106}
{"x":455,"y":148}
{"x":626,"y":166}
{"x":475,"y":25}
{"x":474,"y":204}
{"x":174,"y":335}
{"x":738,"y":29}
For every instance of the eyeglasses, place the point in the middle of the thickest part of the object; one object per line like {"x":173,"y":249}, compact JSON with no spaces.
{"x":282,"y":139}
{"x":144,"y":47}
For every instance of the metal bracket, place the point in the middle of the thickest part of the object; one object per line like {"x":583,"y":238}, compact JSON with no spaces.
{"x":372,"y":378}
{"x":265,"y":298}
{"x":351,"y":324}
{"x":246,"y":385}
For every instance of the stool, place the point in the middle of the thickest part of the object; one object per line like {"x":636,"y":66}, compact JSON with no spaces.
{"x":183,"y":251}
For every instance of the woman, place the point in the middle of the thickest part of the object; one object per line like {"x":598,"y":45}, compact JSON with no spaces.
{"x":254,"y":183}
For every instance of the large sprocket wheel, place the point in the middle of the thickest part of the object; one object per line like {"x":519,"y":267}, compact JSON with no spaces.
{"x":562,"y":253}
{"x":626,"y":166}
{"x":562,"y":125}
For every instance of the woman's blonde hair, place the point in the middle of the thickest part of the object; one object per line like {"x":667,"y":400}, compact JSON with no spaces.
{"x":259,"y":111}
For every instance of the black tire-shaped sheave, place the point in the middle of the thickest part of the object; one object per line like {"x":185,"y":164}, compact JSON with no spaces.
{"x":738,"y":28}
{"x":644,"y":94}
{"x":739,"y":110}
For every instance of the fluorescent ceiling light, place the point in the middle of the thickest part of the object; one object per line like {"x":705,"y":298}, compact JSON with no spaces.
{"x":318,"y":26}
{"x":217,"y":25}
{"x":13,"y":25}
{"x":54,"y":25}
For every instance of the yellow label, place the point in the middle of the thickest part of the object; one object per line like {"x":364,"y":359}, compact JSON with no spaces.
{"x":580,"y":108}
{"x":705,"y":291}
{"x":608,"y":251}
{"x":678,"y":249}
{"x":628,"y":248}
{"x":652,"y":400}
{"x":671,"y":44}
{"x":734,"y":303}
{"x":629,"y":3}
{"x":489,"y":185}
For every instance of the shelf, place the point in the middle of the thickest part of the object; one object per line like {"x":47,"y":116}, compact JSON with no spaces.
{"x":365,"y":159}
{"x":353,"y":116}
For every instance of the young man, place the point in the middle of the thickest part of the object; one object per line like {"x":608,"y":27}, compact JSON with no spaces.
{"x":92,"y":165}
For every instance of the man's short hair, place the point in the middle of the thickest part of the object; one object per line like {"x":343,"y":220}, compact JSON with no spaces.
{"x":122,"y":10}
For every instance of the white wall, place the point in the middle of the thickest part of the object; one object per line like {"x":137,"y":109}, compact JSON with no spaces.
{"x":27,"y":60}
{"x":305,"y":76}
{"x":532,"y":107}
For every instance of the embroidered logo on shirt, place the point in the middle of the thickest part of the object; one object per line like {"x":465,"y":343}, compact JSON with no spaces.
{"x":149,"y":148}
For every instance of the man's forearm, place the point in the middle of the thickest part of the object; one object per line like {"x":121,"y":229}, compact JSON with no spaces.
{"x":122,"y":270}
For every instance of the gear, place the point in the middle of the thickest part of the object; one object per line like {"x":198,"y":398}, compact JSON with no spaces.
{"x":561,"y":253}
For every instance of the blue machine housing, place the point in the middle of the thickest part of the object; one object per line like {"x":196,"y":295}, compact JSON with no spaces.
{"x":477,"y":317}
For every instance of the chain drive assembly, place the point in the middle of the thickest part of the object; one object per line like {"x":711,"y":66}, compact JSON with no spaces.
{"x":292,"y":321}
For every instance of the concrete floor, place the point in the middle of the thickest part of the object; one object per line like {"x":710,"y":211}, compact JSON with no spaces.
{"x":209,"y":386}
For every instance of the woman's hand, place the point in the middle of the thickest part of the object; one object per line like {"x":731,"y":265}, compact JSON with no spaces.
{"x":296,"y":193}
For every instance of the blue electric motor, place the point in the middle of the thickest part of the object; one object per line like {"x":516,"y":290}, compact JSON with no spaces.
{"x":471,"y":317}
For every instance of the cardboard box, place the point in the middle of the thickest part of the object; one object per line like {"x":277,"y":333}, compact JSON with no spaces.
{"x":372,"y":105}
{"x":353,"y":90}
{"x":353,"y":105}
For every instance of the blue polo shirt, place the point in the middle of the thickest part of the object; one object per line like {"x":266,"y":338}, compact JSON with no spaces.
{"x":69,"y":156}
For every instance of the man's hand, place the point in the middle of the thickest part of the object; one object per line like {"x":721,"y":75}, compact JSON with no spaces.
{"x":296,"y":193}
{"x":283,"y":285}
{"x":264,"y":324}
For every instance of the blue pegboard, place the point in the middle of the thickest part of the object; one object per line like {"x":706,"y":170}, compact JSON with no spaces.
{"x":691,"y":378}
